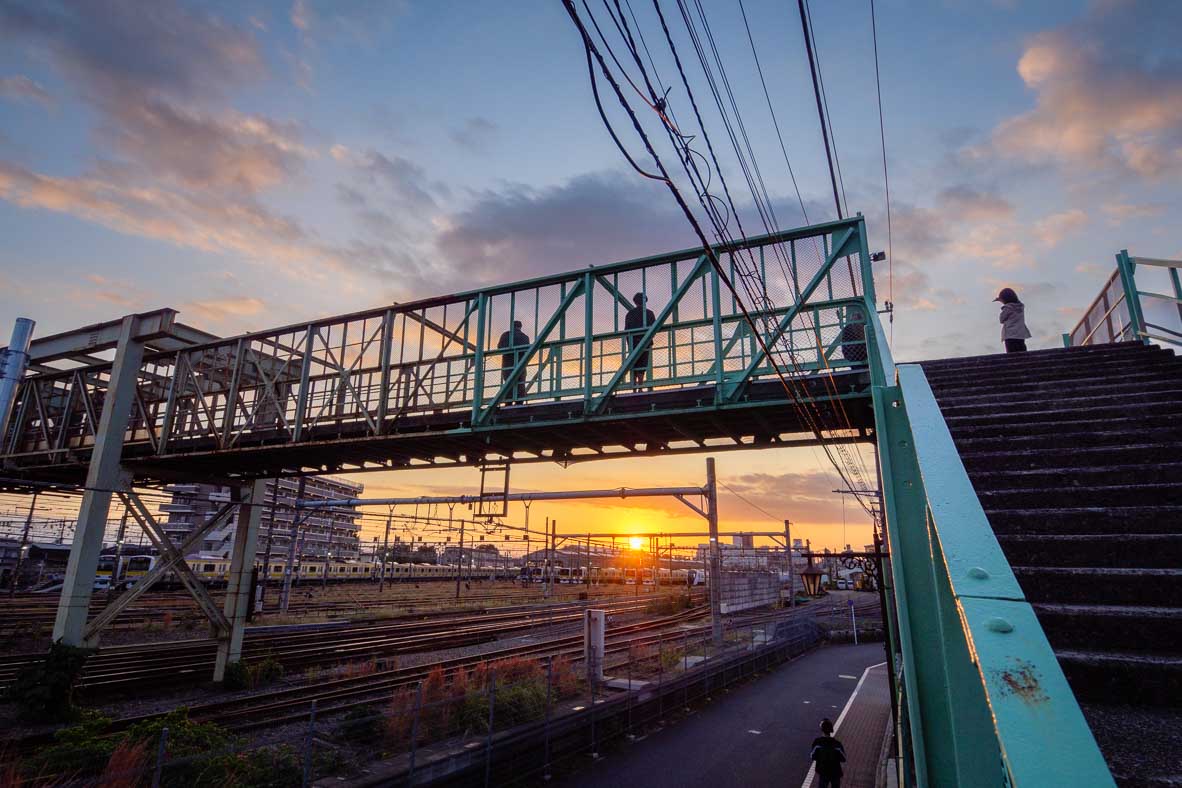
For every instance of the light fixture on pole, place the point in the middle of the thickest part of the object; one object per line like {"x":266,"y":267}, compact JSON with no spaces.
{"x":811,"y":576}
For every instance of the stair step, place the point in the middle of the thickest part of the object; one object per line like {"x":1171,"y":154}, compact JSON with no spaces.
{"x":991,"y":426}
{"x":1140,"y":453}
{"x":1169,"y":436}
{"x":1056,"y":497}
{"x":1001,"y":407}
{"x":1036,"y":413}
{"x":1085,"y":519}
{"x":1066,"y":476}
{"x":1123,"y":677}
{"x":1138,"y":760}
{"x":1062,"y":393}
{"x":1099,"y":585}
{"x":1125,"y":370}
{"x":1135,"y":628}
{"x":1036,"y":358}
{"x":1120,"y":551}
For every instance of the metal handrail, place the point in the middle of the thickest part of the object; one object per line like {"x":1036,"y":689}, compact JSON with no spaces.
{"x":983,"y":698}
{"x":1131,"y":297}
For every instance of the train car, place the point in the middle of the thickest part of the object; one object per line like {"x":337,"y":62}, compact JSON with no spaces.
{"x":629,"y":577}
{"x":646,"y":577}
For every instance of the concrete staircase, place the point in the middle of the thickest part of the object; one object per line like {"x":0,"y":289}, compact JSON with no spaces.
{"x":1076,"y":456}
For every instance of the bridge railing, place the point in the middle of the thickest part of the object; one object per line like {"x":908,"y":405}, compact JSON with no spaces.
{"x":1125,"y":312}
{"x":982,"y":698}
{"x":399,"y":367}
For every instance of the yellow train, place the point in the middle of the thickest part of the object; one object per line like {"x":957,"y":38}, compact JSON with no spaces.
{"x":214,"y":571}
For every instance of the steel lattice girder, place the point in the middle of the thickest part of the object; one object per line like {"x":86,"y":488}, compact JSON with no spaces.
{"x":414,"y":383}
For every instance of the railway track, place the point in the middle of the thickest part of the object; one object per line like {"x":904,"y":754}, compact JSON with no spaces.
{"x":142,"y":666}
{"x":286,"y":706}
{"x":29,"y":612}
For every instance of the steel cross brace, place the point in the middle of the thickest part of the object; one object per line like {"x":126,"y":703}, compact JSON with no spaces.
{"x":732,"y":388}
{"x":510,"y":383}
{"x":643,"y":346}
{"x":171,"y":559}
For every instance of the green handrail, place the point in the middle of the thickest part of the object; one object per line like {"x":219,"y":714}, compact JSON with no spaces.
{"x":983,"y":700}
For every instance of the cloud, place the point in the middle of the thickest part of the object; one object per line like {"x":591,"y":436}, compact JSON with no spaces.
{"x":122,"y":48}
{"x":972,"y":205}
{"x":21,"y":88}
{"x":192,"y":219}
{"x":1118,"y":212}
{"x":1108,"y":92}
{"x":807,"y":495}
{"x":518,"y":231}
{"x":235,"y":152}
{"x":1050,"y":230}
{"x":394,"y":177}
{"x":219,"y":310}
{"x":474,"y":134}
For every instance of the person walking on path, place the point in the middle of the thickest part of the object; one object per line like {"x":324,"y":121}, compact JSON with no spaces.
{"x":829,"y":755}
{"x":636,"y":321}
{"x":514,"y":342}
{"x":1014,"y":332}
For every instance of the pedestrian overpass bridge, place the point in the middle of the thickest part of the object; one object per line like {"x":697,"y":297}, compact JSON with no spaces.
{"x":991,"y":656}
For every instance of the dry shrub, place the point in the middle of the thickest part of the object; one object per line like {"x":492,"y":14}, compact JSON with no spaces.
{"x":166,"y":619}
{"x":126,"y":767}
{"x":400,"y":718}
{"x":564,"y":679}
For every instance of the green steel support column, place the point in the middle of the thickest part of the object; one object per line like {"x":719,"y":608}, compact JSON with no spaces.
{"x":239,"y":591}
{"x":103,"y":475}
{"x":588,"y":336}
{"x":1133,"y":301}
{"x":866,"y":266}
{"x":716,"y":322}
{"x":905,"y":513}
{"x":478,"y":362}
{"x":1177,"y":281}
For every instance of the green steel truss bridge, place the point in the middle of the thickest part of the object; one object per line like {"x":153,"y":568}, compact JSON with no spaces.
{"x":980,"y":696}
{"x":425,"y":384}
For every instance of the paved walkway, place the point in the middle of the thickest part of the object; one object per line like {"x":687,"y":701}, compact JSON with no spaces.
{"x":759,"y":734}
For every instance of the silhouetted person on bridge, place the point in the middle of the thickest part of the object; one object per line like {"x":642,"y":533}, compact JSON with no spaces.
{"x":514,"y":342}
{"x":636,"y":321}
{"x":829,"y":755}
{"x":1014,"y":332}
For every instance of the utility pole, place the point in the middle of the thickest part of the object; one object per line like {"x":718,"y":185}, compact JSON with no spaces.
{"x":386,"y":551}
{"x":20,"y":553}
{"x":285,"y":594}
{"x":788,"y":554}
{"x":119,"y":535}
{"x":715,"y":554}
{"x":267,"y":551}
{"x":459,"y":563}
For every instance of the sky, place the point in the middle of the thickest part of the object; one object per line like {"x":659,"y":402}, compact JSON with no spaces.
{"x":253,"y":164}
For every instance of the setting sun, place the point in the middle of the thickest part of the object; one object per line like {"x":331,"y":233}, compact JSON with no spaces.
{"x":635,"y":542}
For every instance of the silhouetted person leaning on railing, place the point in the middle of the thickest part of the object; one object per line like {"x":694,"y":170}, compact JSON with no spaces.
{"x":514,"y":342}
{"x":1014,"y":332}
{"x":636,"y":321}
{"x":853,"y":337}
{"x":829,"y":755}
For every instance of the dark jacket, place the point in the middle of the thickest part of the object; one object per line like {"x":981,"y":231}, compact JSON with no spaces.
{"x":512,"y":339}
{"x":829,"y":755}
{"x":637,"y":318}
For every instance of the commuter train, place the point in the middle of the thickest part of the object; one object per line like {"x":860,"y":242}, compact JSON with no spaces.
{"x":214,"y":571}
{"x":598,"y":575}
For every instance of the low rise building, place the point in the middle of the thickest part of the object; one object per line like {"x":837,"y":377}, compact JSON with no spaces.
{"x":320,"y":531}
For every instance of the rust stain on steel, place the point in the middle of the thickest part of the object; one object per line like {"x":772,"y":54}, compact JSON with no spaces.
{"x":1022,"y":680}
